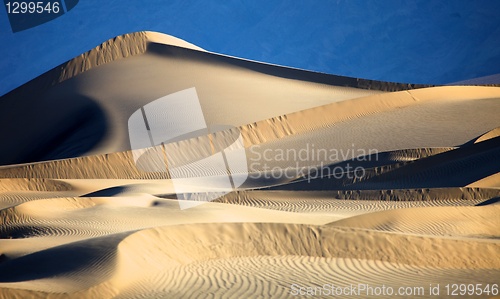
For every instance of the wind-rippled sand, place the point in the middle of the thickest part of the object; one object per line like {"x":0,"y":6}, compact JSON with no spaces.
{"x":78,"y":219}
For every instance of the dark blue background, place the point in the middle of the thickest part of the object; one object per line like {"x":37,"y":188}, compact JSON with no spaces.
{"x":434,"y":42}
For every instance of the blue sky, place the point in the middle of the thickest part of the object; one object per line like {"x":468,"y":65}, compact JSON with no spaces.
{"x":434,"y":42}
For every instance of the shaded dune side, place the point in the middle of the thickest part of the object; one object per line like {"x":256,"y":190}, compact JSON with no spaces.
{"x":452,"y":168}
{"x":399,"y":157}
{"x":373,"y":165}
{"x":302,"y":75}
{"x":45,"y":217}
{"x":76,"y":218}
{"x":456,"y":168}
{"x":49,"y":125}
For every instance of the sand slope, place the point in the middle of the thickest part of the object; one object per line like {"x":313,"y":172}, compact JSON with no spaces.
{"x":79,"y":219}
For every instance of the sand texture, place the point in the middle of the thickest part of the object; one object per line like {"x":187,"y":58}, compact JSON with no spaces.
{"x":80,"y":218}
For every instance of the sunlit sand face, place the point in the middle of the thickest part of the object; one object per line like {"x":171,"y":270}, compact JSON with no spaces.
{"x":81,"y":218}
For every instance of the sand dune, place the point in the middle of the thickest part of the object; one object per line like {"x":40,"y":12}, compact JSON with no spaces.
{"x":80,"y":219}
{"x":472,"y":222}
{"x":283,"y":271}
{"x":359,"y":201}
{"x":489,"y":135}
{"x":272,"y":241}
{"x":228,"y":90}
{"x":492,"y":181}
{"x":264,"y":256}
{"x":376,"y":121}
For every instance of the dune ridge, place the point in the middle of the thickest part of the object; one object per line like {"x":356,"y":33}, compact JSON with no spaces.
{"x":267,"y":132}
{"x":136,"y":43}
{"x":79,"y":219}
{"x":119,"y":47}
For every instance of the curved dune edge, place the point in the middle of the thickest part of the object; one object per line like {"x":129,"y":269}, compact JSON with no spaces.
{"x":328,"y":115}
{"x":492,"y":181}
{"x":67,"y":268}
{"x":489,"y":135}
{"x":96,"y":226}
{"x":120,"y":47}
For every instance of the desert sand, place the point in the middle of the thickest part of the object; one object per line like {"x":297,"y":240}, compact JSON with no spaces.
{"x":80,"y":219}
